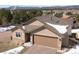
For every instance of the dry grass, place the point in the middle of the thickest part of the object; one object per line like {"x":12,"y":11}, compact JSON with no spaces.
{"x":4,"y":46}
{"x":5,"y":41}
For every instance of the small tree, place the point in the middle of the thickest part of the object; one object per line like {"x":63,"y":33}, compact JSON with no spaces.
{"x":0,"y":21}
{"x":69,"y":13}
{"x":77,"y":17}
{"x":5,"y":16}
{"x":59,"y":15}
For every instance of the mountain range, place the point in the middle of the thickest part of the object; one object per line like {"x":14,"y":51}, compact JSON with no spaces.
{"x":37,"y":7}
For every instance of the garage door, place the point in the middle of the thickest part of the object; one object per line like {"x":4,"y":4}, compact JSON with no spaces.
{"x":47,"y":41}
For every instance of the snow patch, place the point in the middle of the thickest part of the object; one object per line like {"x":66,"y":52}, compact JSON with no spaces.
{"x":73,"y":50}
{"x":29,"y":44}
{"x":61,"y":28}
{"x":74,"y":30}
{"x":3,"y":29}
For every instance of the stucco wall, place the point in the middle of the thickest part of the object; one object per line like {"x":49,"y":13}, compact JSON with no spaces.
{"x":65,"y":40}
{"x":18,"y":40}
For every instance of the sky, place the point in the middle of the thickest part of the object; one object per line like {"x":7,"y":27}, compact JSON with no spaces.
{"x":39,"y":2}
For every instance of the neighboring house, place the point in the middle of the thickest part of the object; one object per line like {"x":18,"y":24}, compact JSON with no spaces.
{"x":43,"y":30}
{"x":18,"y":36}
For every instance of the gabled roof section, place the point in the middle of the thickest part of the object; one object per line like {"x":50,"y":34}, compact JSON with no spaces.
{"x":46,"y":32}
{"x":17,"y":27}
{"x":30,"y":21}
{"x":55,"y":22}
{"x":33,"y":26}
{"x":49,"y":22}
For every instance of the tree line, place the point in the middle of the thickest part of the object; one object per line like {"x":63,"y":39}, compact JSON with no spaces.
{"x":17,"y":16}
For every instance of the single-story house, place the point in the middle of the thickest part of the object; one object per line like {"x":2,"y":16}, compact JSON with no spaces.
{"x":43,"y":30}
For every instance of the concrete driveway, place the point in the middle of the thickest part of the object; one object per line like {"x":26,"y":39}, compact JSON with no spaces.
{"x":39,"y":49}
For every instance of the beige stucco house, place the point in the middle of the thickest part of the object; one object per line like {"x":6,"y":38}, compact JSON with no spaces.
{"x":44,"y":31}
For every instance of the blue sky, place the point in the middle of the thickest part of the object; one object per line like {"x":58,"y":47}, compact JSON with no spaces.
{"x":39,"y":2}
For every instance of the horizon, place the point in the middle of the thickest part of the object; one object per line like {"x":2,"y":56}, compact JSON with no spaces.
{"x":36,"y":5}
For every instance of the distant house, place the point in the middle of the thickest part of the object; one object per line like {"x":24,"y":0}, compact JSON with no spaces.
{"x":43,"y":30}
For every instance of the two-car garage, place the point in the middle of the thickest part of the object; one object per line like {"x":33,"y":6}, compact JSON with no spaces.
{"x":47,"y":38}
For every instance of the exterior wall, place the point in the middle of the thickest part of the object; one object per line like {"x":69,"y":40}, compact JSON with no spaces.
{"x":5,"y":36}
{"x":47,"y":41}
{"x":65,"y":40}
{"x":18,"y":40}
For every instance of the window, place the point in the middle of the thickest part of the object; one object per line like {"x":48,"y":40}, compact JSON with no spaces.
{"x":18,"y":34}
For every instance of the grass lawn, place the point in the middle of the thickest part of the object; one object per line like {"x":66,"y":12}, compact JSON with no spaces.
{"x":6,"y":46}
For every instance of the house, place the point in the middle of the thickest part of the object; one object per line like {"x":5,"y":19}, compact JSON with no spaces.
{"x":18,"y":36}
{"x":43,"y":30}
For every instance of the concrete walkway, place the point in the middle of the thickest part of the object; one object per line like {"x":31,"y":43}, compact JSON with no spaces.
{"x":14,"y":51}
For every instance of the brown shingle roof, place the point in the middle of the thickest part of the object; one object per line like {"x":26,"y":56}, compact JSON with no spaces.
{"x":55,"y":20}
{"x":33,"y":26}
{"x":17,"y":27}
